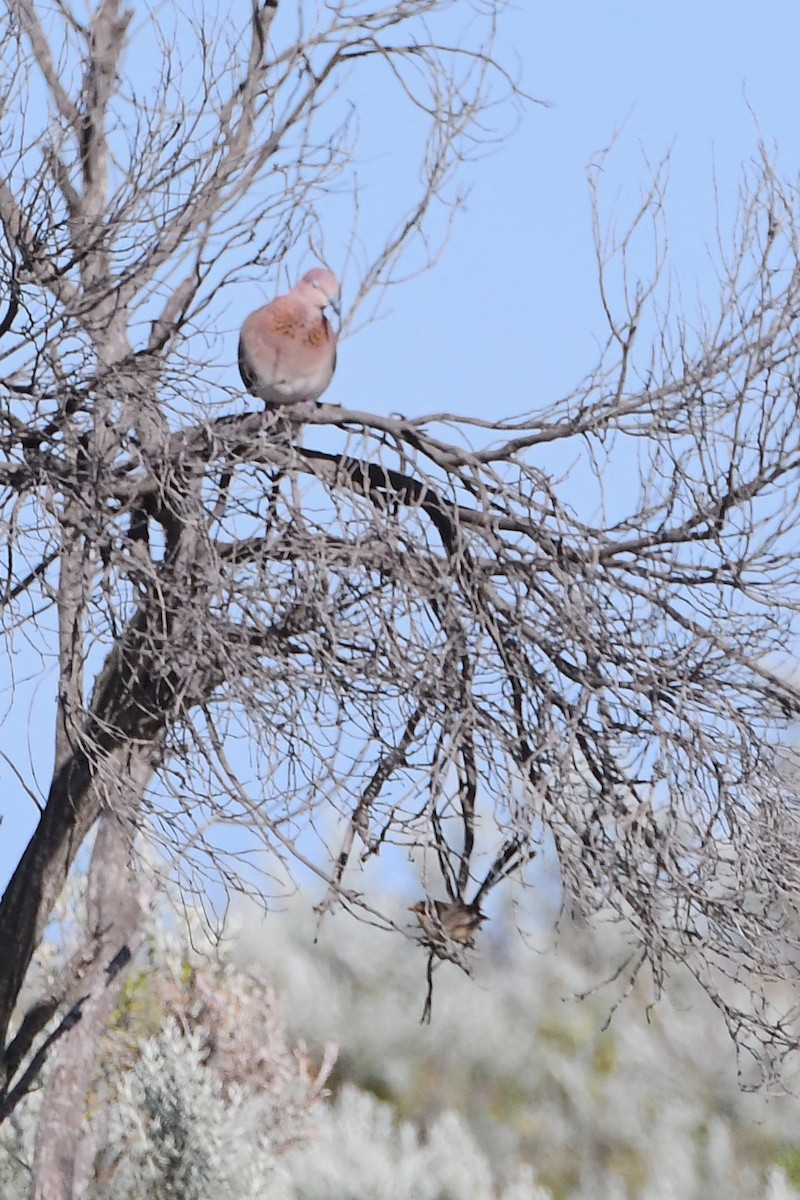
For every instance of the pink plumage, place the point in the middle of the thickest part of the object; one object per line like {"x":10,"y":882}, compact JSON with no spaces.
{"x":287,"y":349}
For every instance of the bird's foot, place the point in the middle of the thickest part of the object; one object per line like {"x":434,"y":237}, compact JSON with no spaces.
{"x":295,"y":413}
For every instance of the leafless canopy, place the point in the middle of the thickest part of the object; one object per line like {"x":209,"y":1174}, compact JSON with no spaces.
{"x":408,"y":638}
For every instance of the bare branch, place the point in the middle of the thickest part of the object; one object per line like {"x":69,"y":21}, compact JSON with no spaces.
{"x":415,"y":636}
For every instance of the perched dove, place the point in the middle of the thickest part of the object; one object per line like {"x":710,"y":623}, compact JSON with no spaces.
{"x":287,"y":349}
{"x":448,"y":920}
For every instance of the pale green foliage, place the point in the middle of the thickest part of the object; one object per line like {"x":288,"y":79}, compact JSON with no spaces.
{"x":197,"y":1091}
{"x":778,"y":1187}
{"x":182,"y":1131}
{"x":513,"y":1092}
{"x":362,"y":1152}
{"x":650,"y":1107}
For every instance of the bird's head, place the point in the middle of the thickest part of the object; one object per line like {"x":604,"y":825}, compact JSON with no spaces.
{"x":323,"y":286}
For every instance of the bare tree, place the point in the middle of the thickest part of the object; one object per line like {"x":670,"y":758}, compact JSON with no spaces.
{"x":412,"y":640}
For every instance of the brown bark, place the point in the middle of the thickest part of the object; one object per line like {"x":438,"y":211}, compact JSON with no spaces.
{"x":113,"y":931}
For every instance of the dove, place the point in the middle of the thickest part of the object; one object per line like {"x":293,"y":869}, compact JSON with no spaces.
{"x":287,"y":348}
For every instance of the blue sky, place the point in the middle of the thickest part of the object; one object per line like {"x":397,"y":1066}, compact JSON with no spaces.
{"x":509,"y":319}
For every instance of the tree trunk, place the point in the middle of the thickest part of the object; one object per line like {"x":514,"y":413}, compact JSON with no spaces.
{"x":114,"y":927}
